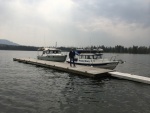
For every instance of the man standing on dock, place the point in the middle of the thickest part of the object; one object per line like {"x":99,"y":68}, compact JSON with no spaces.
{"x":71,"y":56}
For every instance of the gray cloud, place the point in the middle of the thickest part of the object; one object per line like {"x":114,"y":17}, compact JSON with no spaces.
{"x":76,"y":22}
{"x":130,"y":11}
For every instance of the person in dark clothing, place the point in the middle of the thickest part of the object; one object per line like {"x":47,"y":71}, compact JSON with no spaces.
{"x":71,"y":56}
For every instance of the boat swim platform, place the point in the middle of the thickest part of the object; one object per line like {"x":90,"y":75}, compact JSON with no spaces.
{"x":65,"y":67}
{"x":83,"y":70}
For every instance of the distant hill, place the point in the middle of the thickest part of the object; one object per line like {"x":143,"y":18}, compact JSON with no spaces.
{"x":8,"y":45}
{"x":7,"y":42}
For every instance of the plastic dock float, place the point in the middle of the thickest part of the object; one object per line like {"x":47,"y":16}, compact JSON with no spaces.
{"x":131,"y":77}
{"x":81,"y":70}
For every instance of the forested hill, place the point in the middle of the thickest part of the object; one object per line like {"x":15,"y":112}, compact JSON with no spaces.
{"x":7,"y":42}
{"x":27,"y":48}
{"x":9,"y":45}
{"x":14,"y":47}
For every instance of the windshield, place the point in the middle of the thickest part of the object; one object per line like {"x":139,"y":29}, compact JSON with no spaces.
{"x":90,"y":56}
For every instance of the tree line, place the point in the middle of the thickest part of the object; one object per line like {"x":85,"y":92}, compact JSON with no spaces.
{"x":116,"y":49}
{"x":122,"y":49}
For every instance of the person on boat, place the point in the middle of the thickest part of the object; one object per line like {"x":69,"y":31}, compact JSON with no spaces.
{"x":71,"y":56}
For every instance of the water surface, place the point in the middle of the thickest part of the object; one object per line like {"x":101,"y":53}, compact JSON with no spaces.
{"x":26,"y":88}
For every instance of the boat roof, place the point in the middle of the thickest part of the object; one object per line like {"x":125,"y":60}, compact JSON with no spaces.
{"x":90,"y":54}
{"x":89,"y":50}
{"x":49,"y":49}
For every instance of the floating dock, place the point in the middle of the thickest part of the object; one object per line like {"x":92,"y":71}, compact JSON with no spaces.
{"x":80,"y":70}
{"x":131,"y":77}
{"x":83,"y":70}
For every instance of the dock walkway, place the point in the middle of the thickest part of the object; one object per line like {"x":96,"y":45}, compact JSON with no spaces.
{"x":81,"y":70}
{"x":131,"y":77}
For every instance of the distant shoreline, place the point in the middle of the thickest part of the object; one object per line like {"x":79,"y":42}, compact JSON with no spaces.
{"x":116,"y":49}
{"x":18,"y":47}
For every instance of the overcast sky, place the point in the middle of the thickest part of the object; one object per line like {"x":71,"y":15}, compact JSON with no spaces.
{"x":76,"y":22}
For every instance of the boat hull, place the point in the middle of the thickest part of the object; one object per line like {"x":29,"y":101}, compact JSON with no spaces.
{"x":108,"y":65}
{"x":53,"y":58}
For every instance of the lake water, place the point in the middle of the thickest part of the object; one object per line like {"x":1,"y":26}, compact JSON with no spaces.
{"x":26,"y":88}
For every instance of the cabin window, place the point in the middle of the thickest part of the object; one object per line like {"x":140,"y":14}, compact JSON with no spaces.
{"x":94,"y":57}
{"x":88,"y":57}
{"x":82,"y":57}
{"x":47,"y":52}
{"x":57,"y":51}
{"x":99,"y":57}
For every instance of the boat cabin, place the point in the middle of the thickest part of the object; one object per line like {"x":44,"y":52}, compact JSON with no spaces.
{"x":88,"y":57}
{"x":51,"y":51}
{"x":54,"y":51}
{"x":89,"y":53}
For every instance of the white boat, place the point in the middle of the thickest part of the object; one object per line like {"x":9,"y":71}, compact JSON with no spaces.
{"x":52,"y":54}
{"x":94,"y":58}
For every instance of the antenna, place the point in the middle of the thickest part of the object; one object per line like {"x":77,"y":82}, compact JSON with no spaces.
{"x":56,"y":44}
{"x":44,"y":40}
